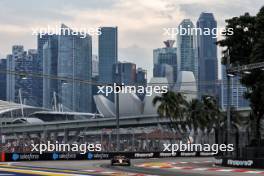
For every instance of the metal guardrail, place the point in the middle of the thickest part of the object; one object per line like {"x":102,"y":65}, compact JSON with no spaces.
{"x":246,"y":67}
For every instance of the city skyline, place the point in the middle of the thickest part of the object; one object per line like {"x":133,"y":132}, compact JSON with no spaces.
{"x":137,"y":38}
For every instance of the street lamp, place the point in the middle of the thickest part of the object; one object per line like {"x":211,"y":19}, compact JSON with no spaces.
{"x":228,"y":116}
{"x":247,"y":72}
{"x":230,"y":75}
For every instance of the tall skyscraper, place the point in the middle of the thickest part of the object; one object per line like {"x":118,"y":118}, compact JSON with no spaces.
{"x":95,"y":66}
{"x":10,"y":78}
{"x":3,"y":79}
{"x":165,"y":56}
{"x":207,"y":56}
{"x":75,"y":62}
{"x":125,"y":72}
{"x":186,"y":45}
{"x":108,"y":53}
{"x":38,"y":68}
{"x":20,"y":61}
{"x":36,"y":82}
{"x":237,"y":92}
{"x":50,"y":68}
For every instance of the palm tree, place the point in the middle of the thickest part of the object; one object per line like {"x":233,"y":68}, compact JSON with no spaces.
{"x":203,"y":114}
{"x":213,"y":116}
{"x":211,"y":109}
{"x":196,"y":114}
{"x":171,"y":105}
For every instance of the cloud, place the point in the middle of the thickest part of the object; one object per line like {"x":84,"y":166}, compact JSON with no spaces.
{"x":140,"y":22}
{"x":32,"y":11}
{"x":222,"y":10}
{"x":138,"y":55}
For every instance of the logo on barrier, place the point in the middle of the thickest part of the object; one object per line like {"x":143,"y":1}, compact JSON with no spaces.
{"x":188,"y":153}
{"x":240,"y":162}
{"x":55,"y":156}
{"x":144,"y":155}
{"x":90,"y":156}
{"x":167,"y":154}
{"x":15,"y":156}
{"x":218,"y":161}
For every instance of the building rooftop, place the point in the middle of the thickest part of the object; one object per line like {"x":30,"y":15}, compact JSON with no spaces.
{"x":9,"y":107}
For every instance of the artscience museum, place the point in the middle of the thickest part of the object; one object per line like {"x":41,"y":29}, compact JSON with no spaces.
{"x":131,"y":105}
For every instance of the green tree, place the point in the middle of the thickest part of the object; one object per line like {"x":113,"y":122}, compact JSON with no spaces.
{"x":204,"y":114}
{"x":171,"y":105}
{"x":246,"y":46}
{"x":196,"y":114}
{"x":214,"y":116}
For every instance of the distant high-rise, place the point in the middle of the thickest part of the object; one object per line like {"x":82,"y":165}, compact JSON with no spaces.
{"x":108,"y":53}
{"x":186,"y":46}
{"x":207,"y":56}
{"x":50,"y":68}
{"x":141,"y":76}
{"x":165,"y":56}
{"x":20,"y":61}
{"x":95,"y":77}
{"x":10,"y":78}
{"x":165,"y":70}
{"x":141,"y":81}
{"x":36,"y":81}
{"x":3,"y":79}
{"x":125,"y":72}
{"x":38,"y":68}
{"x":95,"y":66}
{"x":237,"y":98}
{"x":75,"y":62}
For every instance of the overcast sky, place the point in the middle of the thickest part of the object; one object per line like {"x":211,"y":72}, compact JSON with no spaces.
{"x":140,"y":22}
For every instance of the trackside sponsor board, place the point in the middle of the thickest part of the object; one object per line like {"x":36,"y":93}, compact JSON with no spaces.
{"x":144,"y":155}
{"x":243,"y":162}
{"x":94,"y":155}
{"x":189,"y":153}
{"x":162,"y":154}
{"x":240,"y":162}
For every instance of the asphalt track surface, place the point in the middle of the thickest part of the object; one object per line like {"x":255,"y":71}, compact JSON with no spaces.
{"x":141,"y":167}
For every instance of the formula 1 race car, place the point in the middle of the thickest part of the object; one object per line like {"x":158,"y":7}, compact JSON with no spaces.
{"x":120,"y":160}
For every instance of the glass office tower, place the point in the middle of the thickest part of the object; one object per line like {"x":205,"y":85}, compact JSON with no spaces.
{"x":20,"y":61}
{"x":207,"y":56}
{"x":108,"y":53}
{"x":163,"y":58}
{"x":75,"y":63}
{"x":186,"y":45}
{"x":3,"y":79}
{"x":50,"y":68}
